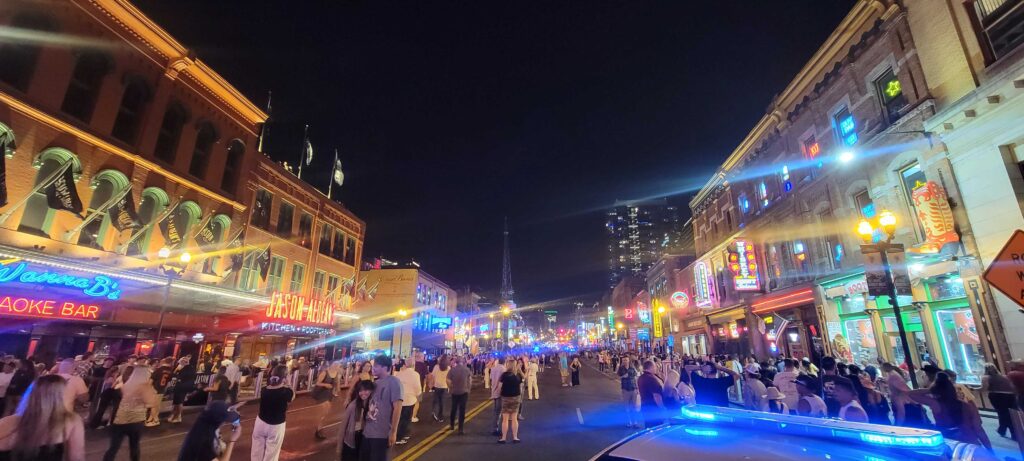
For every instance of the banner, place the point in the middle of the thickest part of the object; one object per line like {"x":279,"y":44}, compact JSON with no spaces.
{"x":61,"y":193}
{"x":206,"y":236}
{"x":3,"y":171}
{"x":263,"y":261}
{"x":169,"y":227}
{"x":122,"y":214}
{"x":657,"y":325}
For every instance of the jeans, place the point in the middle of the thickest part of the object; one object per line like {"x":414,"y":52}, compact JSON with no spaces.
{"x":403,"y":421}
{"x":117,"y":434}
{"x":1002,"y":404}
{"x":109,"y":398}
{"x":629,"y":401}
{"x":266,"y":441}
{"x":438,"y":408}
{"x":373,"y":450}
{"x":458,"y":410}
{"x":497,"y":414}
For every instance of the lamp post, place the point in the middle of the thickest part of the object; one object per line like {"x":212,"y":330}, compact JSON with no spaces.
{"x":887,"y":222}
{"x":402,"y":314}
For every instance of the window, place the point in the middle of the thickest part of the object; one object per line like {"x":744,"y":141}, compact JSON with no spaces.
{"x":275,"y":275}
{"x":129,"y":113}
{"x":333,"y":282}
{"x":338,"y":252}
{"x":298,"y":277}
{"x":325,"y":239}
{"x":846,"y":127}
{"x":232,"y":169}
{"x":248,"y":280}
{"x":913,"y":178}
{"x":170,"y":133}
{"x":891,"y":94}
{"x":284,"y":220}
{"x":84,"y":88}
{"x":350,"y":250}
{"x":205,"y":138}
{"x":319,"y":278}
{"x":763,"y":199}
{"x":18,"y":58}
{"x":305,"y":230}
{"x":811,"y":148}
{"x":865,"y":206}
{"x":744,"y":203}
{"x":261,"y":209}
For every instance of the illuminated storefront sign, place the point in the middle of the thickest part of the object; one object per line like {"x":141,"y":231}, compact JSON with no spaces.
{"x":629,"y":314}
{"x":657,"y":326}
{"x":705,"y":285}
{"x":98,"y":286}
{"x":743,"y":267}
{"x":680,"y":300}
{"x":286,"y":306}
{"x":48,"y":308}
{"x":302,"y":329}
{"x":643,"y":312}
{"x":611,"y":317}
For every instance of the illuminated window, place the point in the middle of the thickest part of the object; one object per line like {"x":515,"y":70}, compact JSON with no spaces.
{"x":811,"y":148}
{"x":865,"y":206}
{"x":38,"y":216}
{"x":275,"y":276}
{"x":890,"y":91}
{"x":105,"y":185}
{"x":744,"y":203}
{"x":333,"y":283}
{"x":84,"y":87}
{"x":846,"y":127}
{"x":248,"y":280}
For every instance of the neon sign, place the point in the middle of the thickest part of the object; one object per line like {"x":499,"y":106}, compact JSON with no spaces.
{"x":643,"y":312}
{"x":286,"y":306}
{"x":48,"y":308}
{"x":743,"y":267}
{"x":284,"y":328}
{"x":98,"y":286}
{"x":611,"y":317}
{"x":704,"y":290}
{"x":848,"y":130}
{"x":680,"y":300}
{"x":629,"y":314}
{"x":813,"y":150}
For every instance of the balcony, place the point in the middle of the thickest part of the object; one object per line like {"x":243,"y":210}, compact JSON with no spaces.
{"x":999,"y":25}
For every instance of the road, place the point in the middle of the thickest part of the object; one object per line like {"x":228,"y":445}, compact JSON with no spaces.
{"x":552,"y":429}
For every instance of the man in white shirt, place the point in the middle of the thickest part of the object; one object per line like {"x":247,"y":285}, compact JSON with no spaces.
{"x":496,"y":371}
{"x":75,"y":392}
{"x":783,"y":381}
{"x":411,"y":391}
{"x":532,"y":392}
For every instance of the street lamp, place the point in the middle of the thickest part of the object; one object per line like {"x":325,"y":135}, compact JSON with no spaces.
{"x":185,"y":257}
{"x":402,"y":313}
{"x":164,"y":252}
{"x":887,"y":223}
{"x":506,"y":311}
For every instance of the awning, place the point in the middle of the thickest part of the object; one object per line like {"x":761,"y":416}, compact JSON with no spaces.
{"x":790,"y":297}
{"x":728,"y":314}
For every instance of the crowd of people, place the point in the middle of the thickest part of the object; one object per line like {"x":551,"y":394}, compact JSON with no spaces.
{"x":653,"y":385}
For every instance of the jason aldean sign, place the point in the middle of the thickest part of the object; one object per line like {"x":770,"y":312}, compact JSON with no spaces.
{"x":289,"y":307}
{"x":48,"y":308}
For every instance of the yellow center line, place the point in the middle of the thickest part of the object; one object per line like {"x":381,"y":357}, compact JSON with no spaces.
{"x":433,"y":439}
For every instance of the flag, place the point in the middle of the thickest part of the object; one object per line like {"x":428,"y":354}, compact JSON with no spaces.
{"x":122,"y":214}
{"x":206,"y":236}
{"x":237,"y":257}
{"x":263,"y":261}
{"x":3,"y":171}
{"x":309,"y":152}
{"x":339,"y":176}
{"x":61,"y":193}
{"x":169,"y":227}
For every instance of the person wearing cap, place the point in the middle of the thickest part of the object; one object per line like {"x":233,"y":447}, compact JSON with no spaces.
{"x":712,"y":384}
{"x":810,"y":403}
{"x":776,"y":401}
{"x":753,"y":389}
{"x":846,"y":395}
{"x":783,"y":381}
{"x":204,"y":441}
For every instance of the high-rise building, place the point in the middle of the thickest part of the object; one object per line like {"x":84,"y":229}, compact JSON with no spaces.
{"x":639,"y":232}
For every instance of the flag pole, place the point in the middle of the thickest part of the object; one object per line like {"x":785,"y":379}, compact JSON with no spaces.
{"x":42,"y":184}
{"x":334,"y":167}
{"x":124,"y":248}
{"x":302,"y":153}
{"x":88,"y":219}
{"x":266,"y":124}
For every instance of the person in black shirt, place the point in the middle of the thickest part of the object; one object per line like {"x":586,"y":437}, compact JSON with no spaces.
{"x":711,"y":386}
{"x":511,"y":390}
{"x":268,"y":432}
{"x":627,"y":379}
{"x":652,"y":407}
{"x":185,"y":384}
{"x":828,"y":378}
{"x":220,"y":385}
{"x":160,"y":378}
{"x":204,"y":441}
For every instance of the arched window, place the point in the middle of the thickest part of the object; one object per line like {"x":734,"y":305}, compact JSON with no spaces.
{"x":205,"y":138}
{"x":38,"y":215}
{"x":84,"y":87}
{"x":186,"y":216}
{"x":233,"y":167}
{"x":7,"y":142}
{"x":219,"y":227}
{"x":170,"y":133}
{"x":18,"y":58}
{"x":154,"y":201}
{"x":129,"y":114}
{"x":106,"y":185}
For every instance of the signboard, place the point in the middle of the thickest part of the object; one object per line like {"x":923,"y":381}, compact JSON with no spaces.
{"x":643,"y":334}
{"x":98,"y":286}
{"x":286,"y":306}
{"x":898,"y":268}
{"x":302,"y":329}
{"x":643,"y":312}
{"x":874,"y":270}
{"x":657,"y":326}
{"x":611,"y":317}
{"x":442,"y":323}
{"x":1006,"y":272}
{"x":743,"y":265}
{"x":680,"y":300}
{"x":48,"y":308}
{"x":704,"y":289}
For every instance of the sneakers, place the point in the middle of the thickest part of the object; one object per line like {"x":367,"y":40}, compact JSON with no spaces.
{"x":414,"y":419}
{"x":402,"y":442}
{"x":152,"y":423}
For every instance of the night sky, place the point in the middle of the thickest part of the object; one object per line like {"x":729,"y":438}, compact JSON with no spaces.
{"x":451,"y":115}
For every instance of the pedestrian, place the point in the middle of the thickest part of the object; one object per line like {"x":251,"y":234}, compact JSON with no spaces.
{"x":76,"y":392}
{"x":220,"y":386}
{"x":511,"y":391}
{"x":460,"y":379}
{"x":130,"y":414}
{"x":670,"y":392}
{"x":955,"y":417}
{"x":160,"y":378}
{"x":328,"y":381}
{"x":204,"y":441}
{"x":810,"y":402}
{"x":712,"y":384}
{"x":627,"y":384}
{"x":532,"y":391}
{"x":353,"y":419}
{"x":381,"y":429}
{"x":754,"y":389}
{"x":184,"y":384}
{"x":776,"y":401}
{"x":438,"y":382}
{"x":109,"y":398}
{"x":563,"y":368}
{"x":829,"y":373}
{"x":234,"y":375}
{"x":6,"y":374}
{"x":496,"y":370}
{"x":850,"y":409}
{"x":650,"y":387}
{"x":269,"y":429}
{"x":904,"y":411}
{"x":1002,"y":395}
{"x":784,"y":382}
{"x":43,"y":428}
{"x":411,"y":391}
{"x":687,"y":396}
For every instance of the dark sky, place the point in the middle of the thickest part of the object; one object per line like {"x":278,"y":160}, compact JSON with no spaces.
{"x":450,"y":115}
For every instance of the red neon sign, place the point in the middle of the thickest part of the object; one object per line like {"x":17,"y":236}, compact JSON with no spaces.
{"x":813,"y":150}
{"x":48,"y":308}
{"x":286,"y":306}
{"x":629,"y":314}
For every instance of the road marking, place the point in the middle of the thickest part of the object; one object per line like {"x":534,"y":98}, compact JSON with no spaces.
{"x":426,"y":444}
{"x":579,"y":415}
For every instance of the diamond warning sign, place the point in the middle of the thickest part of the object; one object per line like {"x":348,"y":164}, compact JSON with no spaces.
{"x":1006,"y":273}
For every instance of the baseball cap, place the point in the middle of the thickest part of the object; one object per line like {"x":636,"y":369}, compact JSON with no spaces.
{"x":807,"y":381}
{"x":753,"y":369}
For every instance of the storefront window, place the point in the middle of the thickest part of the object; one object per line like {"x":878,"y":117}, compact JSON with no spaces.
{"x":961,"y":344}
{"x":852,"y":304}
{"x":943,"y":288}
{"x":912,"y":324}
{"x":861,"y":337}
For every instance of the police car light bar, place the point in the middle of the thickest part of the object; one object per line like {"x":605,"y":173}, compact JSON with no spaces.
{"x":872,"y":434}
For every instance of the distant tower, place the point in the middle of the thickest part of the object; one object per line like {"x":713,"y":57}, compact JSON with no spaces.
{"x":506,"y":273}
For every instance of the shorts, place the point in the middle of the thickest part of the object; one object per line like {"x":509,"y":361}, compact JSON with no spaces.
{"x":509,"y":404}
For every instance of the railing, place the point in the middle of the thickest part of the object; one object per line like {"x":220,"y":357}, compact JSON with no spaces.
{"x":999,"y":25}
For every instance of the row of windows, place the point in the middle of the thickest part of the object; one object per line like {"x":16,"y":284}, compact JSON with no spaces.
{"x":18,"y":62}
{"x":326,"y":286}
{"x":334,"y":242}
